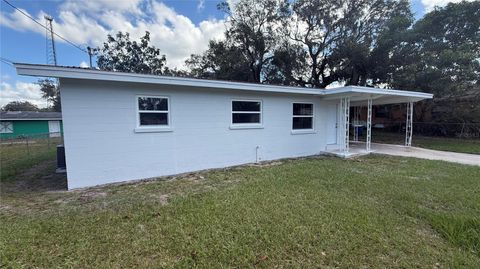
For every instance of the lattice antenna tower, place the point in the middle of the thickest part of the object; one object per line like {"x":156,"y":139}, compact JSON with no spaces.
{"x":50,"y":46}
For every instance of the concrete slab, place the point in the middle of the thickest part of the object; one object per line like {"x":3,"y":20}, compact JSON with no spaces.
{"x":398,"y":150}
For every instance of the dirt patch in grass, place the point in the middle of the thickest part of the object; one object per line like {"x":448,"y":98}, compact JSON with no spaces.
{"x":266,"y":164}
{"x":162,"y":198}
{"x":41,"y":177}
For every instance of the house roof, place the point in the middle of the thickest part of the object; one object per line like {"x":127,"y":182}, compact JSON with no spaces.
{"x":30,"y":115}
{"x":334,"y":93}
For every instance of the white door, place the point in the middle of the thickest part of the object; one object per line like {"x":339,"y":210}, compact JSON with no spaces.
{"x":54,"y":128}
{"x":332,"y":124}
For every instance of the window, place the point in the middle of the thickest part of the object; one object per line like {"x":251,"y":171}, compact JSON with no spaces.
{"x":246,"y":112}
{"x":153,"y":111}
{"x":6,"y":127}
{"x":302,"y":116}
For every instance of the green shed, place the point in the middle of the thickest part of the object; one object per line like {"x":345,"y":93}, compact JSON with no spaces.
{"x":14,"y":124}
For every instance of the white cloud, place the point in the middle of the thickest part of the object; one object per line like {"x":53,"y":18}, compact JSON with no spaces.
{"x":429,"y":5}
{"x":84,"y":64}
{"x":89,"y":22}
{"x":22,"y":91}
{"x":99,"y":5}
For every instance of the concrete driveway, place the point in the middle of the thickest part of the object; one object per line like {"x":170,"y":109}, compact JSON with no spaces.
{"x":397,"y":150}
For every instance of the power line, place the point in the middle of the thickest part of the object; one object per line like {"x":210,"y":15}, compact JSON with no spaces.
{"x":33,"y":19}
{"x":6,"y":61}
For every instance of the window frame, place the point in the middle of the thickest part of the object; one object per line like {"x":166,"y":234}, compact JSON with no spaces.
{"x":303,"y":131}
{"x":246,"y":125}
{"x":11,"y":129}
{"x":153,"y":128}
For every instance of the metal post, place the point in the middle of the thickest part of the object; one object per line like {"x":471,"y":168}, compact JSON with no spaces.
{"x":409,"y":125}
{"x":51,"y":53}
{"x":345,"y":122}
{"x":369,"y":124}
{"x":28,"y":148}
{"x":356,"y":122}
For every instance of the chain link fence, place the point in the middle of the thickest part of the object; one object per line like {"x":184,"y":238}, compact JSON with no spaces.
{"x":24,"y":152}
{"x":440,"y":129}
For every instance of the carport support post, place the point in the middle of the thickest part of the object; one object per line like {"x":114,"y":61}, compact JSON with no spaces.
{"x":356,"y":121}
{"x":345,"y":122}
{"x":369,"y":124}
{"x":409,"y":125}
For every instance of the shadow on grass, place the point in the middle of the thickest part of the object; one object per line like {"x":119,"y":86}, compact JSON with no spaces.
{"x":40,"y":177}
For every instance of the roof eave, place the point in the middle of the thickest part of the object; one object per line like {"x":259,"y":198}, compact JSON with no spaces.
{"x":92,"y":74}
{"x":373,"y":91}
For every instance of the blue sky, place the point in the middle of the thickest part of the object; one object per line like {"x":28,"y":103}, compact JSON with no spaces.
{"x":179,"y":28}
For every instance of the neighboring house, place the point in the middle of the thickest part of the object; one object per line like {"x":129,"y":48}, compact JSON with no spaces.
{"x":126,"y":126}
{"x":16,"y":124}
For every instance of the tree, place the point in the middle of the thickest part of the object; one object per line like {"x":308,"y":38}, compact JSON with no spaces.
{"x":250,"y":39}
{"x":338,"y":37}
{"x":253,"y":30}
{"x":20,"y":106}
{"x":287,"y":66}
{"x":119,"y":53}
{"x":440,"y":55}
{"x":445,"y":51}
{"x":219,"y":61}
{"x":51,"y":92}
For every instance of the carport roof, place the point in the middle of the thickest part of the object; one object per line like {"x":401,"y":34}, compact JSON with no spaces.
{"x":357,"y":94}
{"x":360,"y":95}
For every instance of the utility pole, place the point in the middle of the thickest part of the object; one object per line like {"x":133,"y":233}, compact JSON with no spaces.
{"x":51,"y":53}
{"x":91,"y":52}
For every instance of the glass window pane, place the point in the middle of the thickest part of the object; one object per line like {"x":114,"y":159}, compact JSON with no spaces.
{"x":245,"y":106}
{"x":152,"y":103}
{"x":302,"y":109}
{"x":302,"y":123}
{"x":246,"y":118}
{"x":153,"y":119}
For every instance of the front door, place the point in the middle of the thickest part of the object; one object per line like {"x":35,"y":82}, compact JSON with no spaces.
{"x":332,"y":124}
{"x":54,"y":128}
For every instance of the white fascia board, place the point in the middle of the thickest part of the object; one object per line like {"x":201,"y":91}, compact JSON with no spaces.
{"x":92,"y":74}
{"x":373,"y":91}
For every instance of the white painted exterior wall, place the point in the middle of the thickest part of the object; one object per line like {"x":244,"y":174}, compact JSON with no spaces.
{"x":101,"y":145}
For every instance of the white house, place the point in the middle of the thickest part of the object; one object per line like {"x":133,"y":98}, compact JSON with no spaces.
{"x":126,"y":126}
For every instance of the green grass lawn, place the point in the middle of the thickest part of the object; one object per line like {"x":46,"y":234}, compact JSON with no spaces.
{"x":15,"y":158}
{"x":438,"y":143}
{"x":371,"y":212}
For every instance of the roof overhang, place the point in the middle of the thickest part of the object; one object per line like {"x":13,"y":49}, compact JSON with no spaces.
{"x":94,"y":74}
{"x":358,"y":95}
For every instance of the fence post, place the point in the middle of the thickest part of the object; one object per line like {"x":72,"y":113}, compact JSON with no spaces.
{"x":28,"y":148}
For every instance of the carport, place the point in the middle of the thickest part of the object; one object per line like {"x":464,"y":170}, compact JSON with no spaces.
{"x":356,"y":97}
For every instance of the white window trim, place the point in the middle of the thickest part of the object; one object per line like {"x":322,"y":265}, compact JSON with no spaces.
{"x":153,"y":128}
{"x":304,"y":131}
{"x":246,"y":125}
{"x":9,"y":123}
